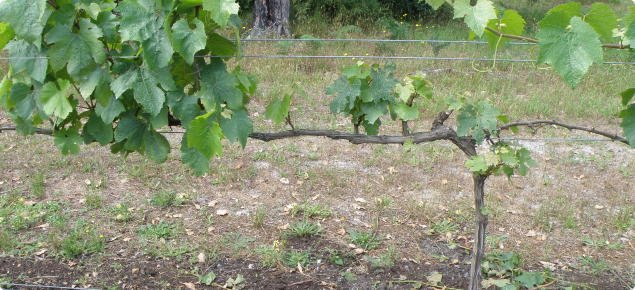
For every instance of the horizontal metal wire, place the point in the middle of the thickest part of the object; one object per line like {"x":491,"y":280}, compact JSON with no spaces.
{"x":379,"y":40}
{"x":346,"y":56}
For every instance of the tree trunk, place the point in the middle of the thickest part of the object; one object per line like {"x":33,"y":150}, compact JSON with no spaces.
{"x":271,"y":17}
{"x":479,"y":235}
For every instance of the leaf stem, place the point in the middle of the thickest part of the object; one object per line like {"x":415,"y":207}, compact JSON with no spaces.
{"x":53,"y":4}
{"x":531,"y":40}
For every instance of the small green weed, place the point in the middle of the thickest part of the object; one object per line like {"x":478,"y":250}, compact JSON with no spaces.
{"x":304,"y":229}
{"x":93,"y":200}
{"x":625,"y":219}
{"x":37,"y":185}
{"x":82,"y":240}
{"x":162,"y":229}
{"x":121,"y":212}
{"x":293,"y":258}
{"x":446,"y":226}
{"x":258,"y":217}
{"x":236,"y":241}
{"x":366,"y":240}
{"x":311,"y":210}
{"x":602,"y":243}
{"x":348,"y":276}
{"x":385,"y":260}
{"x":338,"y":258}
{"x":595,"y":265}
{"x":163,"y":199}
{"x":272,"y":256}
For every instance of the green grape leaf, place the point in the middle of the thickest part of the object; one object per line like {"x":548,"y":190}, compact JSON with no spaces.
{"x":221,"y":46}
{"x":186,"y":41}
{"x":54,"y":99}
{"x":477,"y":119}
{"x":524,"y":160}
{"x":98,"y":130}
{"x":26,"y":17}
{"x":512,"y":23}
{"x":5,"y":91}
{"x":132,"y":129}
{"x":278,"y":110}
{"x":381,"y":88}
{"x":65,"y":15}
{"x":110,"y":112}
{"x":23,"y":127}
{"x":157,"y":50}
{"x":435,"y":3}
{"x":373,"y":111}
{"x":630,"y":31}
{"x":421,"y":88}
{"x":508,"y":156}
{"x":220,"y":10}
{"x":156,"y":146}
{"x":570,"y":9}
{"x":184,"y":107}
{"x":144,"y":83}
{"x":160,"y":119}
{"x":627,"y":96}
{"x":353,"y":71}
{"x":371,"y":128}
{"x":218,"y":87}
{"x":476,"y":17}
{"x":98,"y":81}
{"x":207,"y":140}
{"x":492,"y":158}
{"x":404,"y":92}
{"x":238,"y":127}
{"x":23,"y":100}
{"x":6,"y":34}
{"x":139,"y":20}
{"x":530,"y":279}
{"x":184,"y":71}
{"x":108,"y":23}
{"x":81,"y":50}
{"x":346,"y":92}
{"x":25,"y":52}
{"x":407,"y":113}
{"x":628,"y":123}
{"x":477,"y":164}
{"x":602,"y":19}
{"x":67,"y":140}
{"x":91,"y":9}
{"x":570,"y":46}
{"x":454,"y":104}
{"x":194,"y":158}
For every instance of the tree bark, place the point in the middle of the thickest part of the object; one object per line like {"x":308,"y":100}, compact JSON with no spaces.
{"x":271,"y":17}
{"x":479,"y":235}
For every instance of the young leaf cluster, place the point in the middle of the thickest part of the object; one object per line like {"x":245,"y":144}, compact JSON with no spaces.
{"x":414,"y":87}
{"x":364,"y":92}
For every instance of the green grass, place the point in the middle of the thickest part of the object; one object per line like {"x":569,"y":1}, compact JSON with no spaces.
{"x":366,"y":240}
{"x":304,"y":229}
{"x":161,"y":230}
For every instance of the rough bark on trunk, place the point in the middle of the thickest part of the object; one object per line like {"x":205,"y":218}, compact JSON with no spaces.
{"x":479,"y":235}
{"x":271,"y":17}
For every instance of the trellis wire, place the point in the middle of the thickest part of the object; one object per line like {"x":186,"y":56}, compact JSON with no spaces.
{"x":41,"y":286}
{"x":342,"y":56}
{"x":379,"y":40}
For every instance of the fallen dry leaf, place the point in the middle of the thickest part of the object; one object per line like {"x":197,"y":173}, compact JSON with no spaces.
{"x":135,"y":271}
{"x":197,"y":206}
{"x":543,"y":237}
{"x":210,"y":229}
{"x":300,"y":268}
{"x":94,"y":274}
{"x":444,"y":181}
{"x":189,"y":285}
{"x":189,"y":232}
{"x":359,"y":199}
{"x":531,"y":234}
{"x":597,"y":206}
{"x":87,"y":181}
{"x":127,"y":239}
{"x":29,"y":202}
{"x":284,"y":227}
{"x":352,"y":246}
{"x":359,"y":251}
{"x":239,"y":165}
{"x":40,"y":252}
{"x":201,"y":258}
{"x":221,"y":212}
{"x":212,"y":203}
{"x":46,"y":225}
{"x":341,"y":232}
{"x":284,"y":180}
{"x":315,"y":197}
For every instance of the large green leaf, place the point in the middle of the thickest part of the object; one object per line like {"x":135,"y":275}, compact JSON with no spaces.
{"x":278,"y":109}
{"x":28,"y":58}
{"x":24,"y":127}
{"x":374,"y":110}
{"x":194,"y":158}
{"x":477,"y":164}
{"x":130,"y":128}
{"x":156,"y":146}
{"x":435,"y":3}
{"x":98,"y":81}
{"x":67,"y":140}
{"x":98,"y":130}
{"x":108,"y":23}
{"x":6,"y":34}
{"x":602,"y":19}
{"x":570,"y":46}
{"x":54,"y":98}
{"x":524,"y":161}
{"x":346,"y":93}
{"x":157,"y":50}
{"x":477,"y":120}
{"x":81,"y":50}
{"x":144,"y":82}
{"x":381,"y":88}
{"x":23,"y":100}
{"x":5,"y":91}
{"x":26,"y":17}
{"x":220,"y":10}
{"x":184,"y":107}
{"x":511,"y":23}
{"x":218,"y":87}
{"x":221,"y":46}
{"x":627,"y":95}
{"x":238,"y":127}
{"x":628,"y":123}
{"x":111,"y":111}
{"x":186,"y":41}
{"x":407,"y":113}
{"x":476,"y":17}
{"x":207,"y":140}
